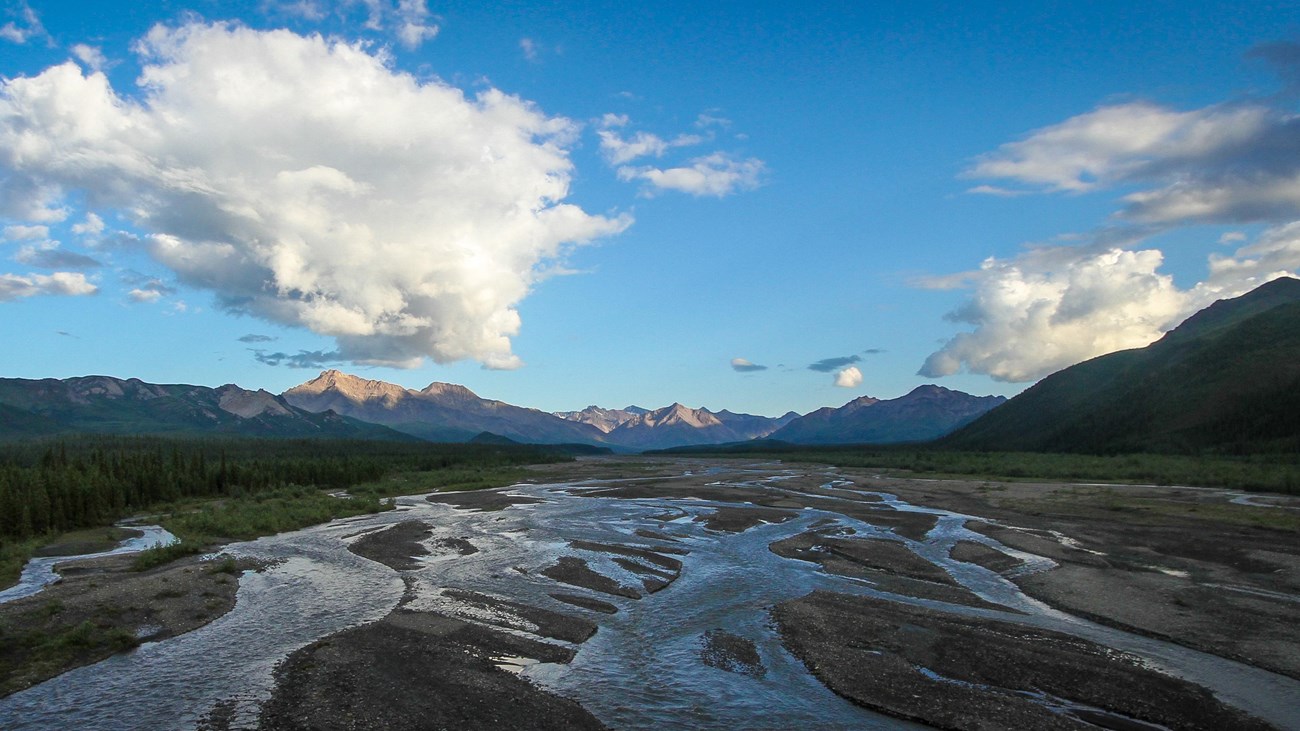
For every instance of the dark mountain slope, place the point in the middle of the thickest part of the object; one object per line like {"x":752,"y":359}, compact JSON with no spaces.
{"x":1226,"y":380}
{"x":928,"y":412}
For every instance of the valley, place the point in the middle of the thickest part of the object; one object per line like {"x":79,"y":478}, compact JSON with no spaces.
{"x":636,"y":592}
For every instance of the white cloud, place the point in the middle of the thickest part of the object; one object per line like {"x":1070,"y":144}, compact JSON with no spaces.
{"x":14,"y":286}
{"x":48,"y":255}
{"x":306,"y":182}
{"x":850,"y":377}
{"x":530,"y":49}
{"x":92,"y":226}
{"x":144,"y":295}
{"x":92,"y":57}
{"x":1051,"y":308}
{"x":26,"y":233}
{"x":29,"y":28}
{"x":413,"y":27}
{"x":1219,"y":163}
{"x":713,"y":175}
{"x":742,"y":365}
{"x":1056,"y":305}
{"x":619,"y":150}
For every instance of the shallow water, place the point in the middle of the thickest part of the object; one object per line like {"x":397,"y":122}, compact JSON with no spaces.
{"x":39,"y":572}
{"x":642,"y":669}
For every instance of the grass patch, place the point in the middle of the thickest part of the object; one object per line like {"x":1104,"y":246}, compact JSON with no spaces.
{"x":1263,"y":473}
{"x":29,"y":655}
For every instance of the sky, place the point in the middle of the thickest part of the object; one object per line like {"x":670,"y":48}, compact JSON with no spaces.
{"x":754,"y":206}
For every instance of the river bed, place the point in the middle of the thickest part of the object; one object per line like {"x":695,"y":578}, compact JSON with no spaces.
{"x":642,"y":669}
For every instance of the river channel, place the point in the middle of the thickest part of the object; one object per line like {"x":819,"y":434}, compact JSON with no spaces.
{"x":643,"y":667}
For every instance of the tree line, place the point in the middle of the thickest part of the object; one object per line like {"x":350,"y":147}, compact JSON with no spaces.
{"x":56,"y":485}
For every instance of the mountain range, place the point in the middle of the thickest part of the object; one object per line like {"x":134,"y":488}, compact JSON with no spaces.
{"x":1226,"y":380}
{"x":927,"y":413}
{"x":105,"y":405}
{"x":336,"y":404}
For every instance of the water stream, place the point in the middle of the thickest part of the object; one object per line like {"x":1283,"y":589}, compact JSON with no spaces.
{"x":39,"y":572}
{"x":642,"y":669}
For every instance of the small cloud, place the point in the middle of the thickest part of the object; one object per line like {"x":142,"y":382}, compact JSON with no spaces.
{"x":66,"y":334}
{"x":52,"y":257}
{"x":28,"y":27}
{"x":826,"y":365}
{"x":92,"y":226}
{"x":619,"y":149}
{"x":26,"y":233}
{"x":996,"y":191}
{"x":90,"y":56}
{"x":740,"y":365}
{"x":610,"y":120}
{"x":716,"y":175}
{"x":530,"y":49}
{"x":305,"y":9}
{"x":302,"y":359}
{"x":850,"y":377}
{"x":144,"y":295}
{"x":708,"y":120}
{"x":873,"y":351}
{"x":1232,"y":237}
{"x":68,"y":284}
{"x":250,"y":338}
{"x":148,"y":289}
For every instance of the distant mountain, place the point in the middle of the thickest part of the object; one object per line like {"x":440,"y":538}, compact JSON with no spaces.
{"x":105,"y":405}
{"x":1226,"y":380}
{"x":677,"y":425}
{"x":441,"y":412}
{"x":603,"y":419}
{"x":928,"y":412}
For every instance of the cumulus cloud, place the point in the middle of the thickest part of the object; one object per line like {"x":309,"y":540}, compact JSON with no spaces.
{"x":850,"y":377}
{"x":714,"y":175}
{"x":305,"y":181}
{"x":741,"y":365}
{"x":826,"y":365}
{"x":15,"y":286}
{"x":409,"y":21}
{"x":1051,"y":308}
{"x":1054,"y":306}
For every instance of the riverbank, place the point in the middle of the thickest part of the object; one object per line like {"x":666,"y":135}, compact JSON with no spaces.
{"x":102,"y":607}
{"x":653,"y":592}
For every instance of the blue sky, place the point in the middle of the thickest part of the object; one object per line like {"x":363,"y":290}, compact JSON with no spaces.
{"x":753,"y":206}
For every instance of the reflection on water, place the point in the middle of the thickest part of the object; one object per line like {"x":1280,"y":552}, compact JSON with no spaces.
{"x":641,"y":669}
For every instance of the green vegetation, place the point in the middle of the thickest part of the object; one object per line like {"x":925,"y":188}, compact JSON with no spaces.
{"x":211,"y":490}
{"x":33,"y":654}
{"x":1268,"y":473}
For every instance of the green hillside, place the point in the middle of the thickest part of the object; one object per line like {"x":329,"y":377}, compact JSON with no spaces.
{"x":1227,"y":380}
